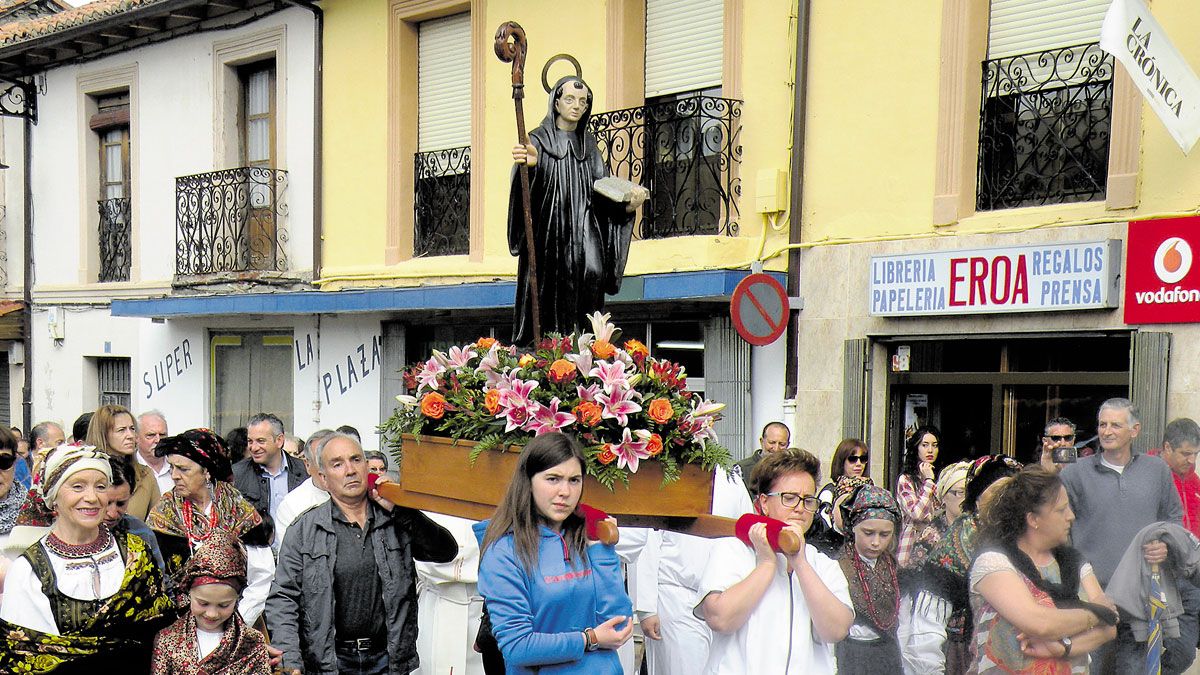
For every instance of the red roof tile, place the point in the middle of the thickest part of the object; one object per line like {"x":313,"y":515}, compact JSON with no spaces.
{"x":31,"y":29}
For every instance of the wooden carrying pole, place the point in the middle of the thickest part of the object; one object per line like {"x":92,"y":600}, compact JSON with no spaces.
{"x":511,"y":48}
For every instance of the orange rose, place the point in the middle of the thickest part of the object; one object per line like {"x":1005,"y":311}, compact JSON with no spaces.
{"x":654,"y":444}
{"x":433,"y":405}
{"x":603,"y":349}
{"x":561,"y":370}
{"x":635,"y":348}
{"x":491,"y":401}
{"x":526,"y":360}
{"x":606,"y":456}
{"x":485,"y":342}
{"x":588,"y":413}
{"x":660,"y":410}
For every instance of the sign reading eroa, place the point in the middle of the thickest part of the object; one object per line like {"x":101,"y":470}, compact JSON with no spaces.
{"x":1042,"y":278}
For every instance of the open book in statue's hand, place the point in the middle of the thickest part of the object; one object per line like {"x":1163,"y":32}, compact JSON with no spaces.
{"x":617,"y":189}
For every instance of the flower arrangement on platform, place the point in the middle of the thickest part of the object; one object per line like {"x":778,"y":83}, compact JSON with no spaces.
{"x":624,"y":406}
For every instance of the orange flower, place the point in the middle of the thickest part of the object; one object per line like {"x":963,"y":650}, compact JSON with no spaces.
{"x":485,"y":342}
{"x":433,"y":405}
{"x":491,"y":401}
{"x":660,"y":410}
{"x":588,"y":413}
{"x":603,"y":349}
{"x":635,"y":348}
{"x":654,"y":444}
{"x":526,"y":360}
{"x":561,"y":370}
{"x":606,"y":456}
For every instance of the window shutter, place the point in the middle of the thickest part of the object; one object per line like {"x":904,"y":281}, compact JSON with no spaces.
{"x":854,"y":388}
{"x":444,"y":83}
{"x":1148,"y":386}
{"x":684,"y":45}
{"x":727,"y":380}
{"x":1027,"y":26}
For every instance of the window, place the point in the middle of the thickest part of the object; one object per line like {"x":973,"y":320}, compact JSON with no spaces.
{"x":1046,"y":105}
{"x":110,"y":123}
{"x":256,"y":121}
{"x":251,"y":373}
{"x":442,"y":163}
{"x":113,"y":378}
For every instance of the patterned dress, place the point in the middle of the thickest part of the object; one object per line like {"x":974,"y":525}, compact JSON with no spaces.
{"x":919,"y":507}
{"x":243,"y":650}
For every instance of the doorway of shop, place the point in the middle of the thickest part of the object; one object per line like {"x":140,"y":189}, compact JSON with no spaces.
{"x":995,"y":394}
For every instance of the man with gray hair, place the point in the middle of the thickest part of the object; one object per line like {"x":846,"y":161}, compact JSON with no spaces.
{"x":266,"y":476}
{"x":152,"y":428}
{"x":308,"y":494}
{"x":1114,"y":494}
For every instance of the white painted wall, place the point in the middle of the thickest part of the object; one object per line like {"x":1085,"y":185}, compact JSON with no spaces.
{"x":342,"y":381}
{"x":767,"y":368}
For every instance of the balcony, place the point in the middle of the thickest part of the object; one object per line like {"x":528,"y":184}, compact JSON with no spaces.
{"x":687,"y":153}
{"x":1044,"y":128}
{"x":441,"y":224}
{"x":231,"y":223}
{"x":114,"y":239}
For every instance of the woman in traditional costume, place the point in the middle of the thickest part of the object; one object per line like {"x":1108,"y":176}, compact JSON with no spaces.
{"x":204,"y":501}
{"x":211,"y":637}
{"x":81,"y":599}
{"x":113,"y":430}
{"x":870,"y":568}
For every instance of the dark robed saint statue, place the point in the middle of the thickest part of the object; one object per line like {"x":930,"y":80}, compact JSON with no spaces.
{"x":581,"y":237}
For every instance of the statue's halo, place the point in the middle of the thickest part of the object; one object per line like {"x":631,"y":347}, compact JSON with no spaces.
{"x":555,"y":59}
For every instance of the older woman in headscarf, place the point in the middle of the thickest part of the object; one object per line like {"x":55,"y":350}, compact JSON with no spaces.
{"x":951,"y":491}
{"x":211,"y":637}
{"x":203,"y":502}
{"x":940,"y":632}
{"x":82,"y":599}
{"x":872,"y":518}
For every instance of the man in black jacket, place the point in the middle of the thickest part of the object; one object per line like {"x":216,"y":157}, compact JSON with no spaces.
{"x":268,"y":473}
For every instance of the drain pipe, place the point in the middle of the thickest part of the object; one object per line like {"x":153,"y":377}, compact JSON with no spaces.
{"x":27,"y":276}
{"x":796,"y":201}
{"x":318,"y":220}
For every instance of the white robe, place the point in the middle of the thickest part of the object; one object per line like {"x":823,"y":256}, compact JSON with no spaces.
{"x":449,"y":606}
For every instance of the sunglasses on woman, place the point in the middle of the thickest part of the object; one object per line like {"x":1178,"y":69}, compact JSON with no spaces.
{"x":7,"y":461}
{"x":857,"y":459}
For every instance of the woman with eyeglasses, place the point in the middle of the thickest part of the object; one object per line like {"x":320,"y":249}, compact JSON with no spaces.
{"x":771,"y":612}
{"x":915,"y":493}
{"x":850,"y":458}
{"x":951,"y":490}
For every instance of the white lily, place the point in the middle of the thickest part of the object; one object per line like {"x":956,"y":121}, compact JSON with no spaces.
{"x":406,"y":400}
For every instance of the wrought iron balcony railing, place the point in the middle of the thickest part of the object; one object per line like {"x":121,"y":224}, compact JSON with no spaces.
{"x":443,"y":200}
{"x":115,"y":234}
{"x":231,"y":221}
{"x":1044,"y":128}
{"x":686,"y":152}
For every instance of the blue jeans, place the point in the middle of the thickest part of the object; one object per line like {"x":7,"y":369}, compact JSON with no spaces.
{"x":366,"y":662}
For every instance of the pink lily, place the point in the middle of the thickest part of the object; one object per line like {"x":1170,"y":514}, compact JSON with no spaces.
{"x":515,"y":403}
{"x":611,"y":374}
{"x":618,"y":405}
{"x":582,"y":360}
{"x":629,"y":452}
{"x":459,"y":356}
{"x":428,"y":377}
{"x":587,"y":393}
{"x":489,"y":364}
{"x":544,"y":419}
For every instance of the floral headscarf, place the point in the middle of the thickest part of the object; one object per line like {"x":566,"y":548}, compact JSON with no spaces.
{"x":873,"y":502}
{"x":202,"y":447}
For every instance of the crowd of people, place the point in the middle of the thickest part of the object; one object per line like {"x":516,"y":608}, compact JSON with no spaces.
{"x":133,"y":550}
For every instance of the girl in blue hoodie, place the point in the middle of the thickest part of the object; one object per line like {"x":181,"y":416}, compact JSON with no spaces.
{"x":557,"y":601}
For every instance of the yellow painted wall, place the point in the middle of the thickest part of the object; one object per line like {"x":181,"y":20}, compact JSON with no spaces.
{"x":355,"y":161}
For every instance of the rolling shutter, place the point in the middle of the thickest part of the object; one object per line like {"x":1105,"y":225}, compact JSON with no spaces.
{"x":727,"y":380}
{"x":1148,"y":385}
{"x":855,"y":386}
{"x":444,"y":83}
{"x":1027,"y":26}
{"x":684,"y":45}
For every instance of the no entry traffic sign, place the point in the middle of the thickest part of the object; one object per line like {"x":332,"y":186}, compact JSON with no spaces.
{"x":759,"y":309}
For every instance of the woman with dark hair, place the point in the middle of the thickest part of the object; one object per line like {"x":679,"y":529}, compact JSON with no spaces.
{"x":1037,"y":605}
{"x":850,"y":458}
{"x":114,"y":431}
{"x":915,"y":494}
{"x":543,"y":583}
{"x":938,"y":635}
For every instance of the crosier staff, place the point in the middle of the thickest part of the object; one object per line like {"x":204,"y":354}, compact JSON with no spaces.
{"x":511,"y":48}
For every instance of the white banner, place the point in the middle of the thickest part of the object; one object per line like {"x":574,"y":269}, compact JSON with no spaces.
{"x":1132,"y":35}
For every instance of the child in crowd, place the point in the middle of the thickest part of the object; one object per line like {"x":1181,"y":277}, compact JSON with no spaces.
{"x":870,"y":568}
{"x":211,"y":637}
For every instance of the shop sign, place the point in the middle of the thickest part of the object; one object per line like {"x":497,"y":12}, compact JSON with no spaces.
{"x":1043,"y":278}
{"x":1161,"y":285}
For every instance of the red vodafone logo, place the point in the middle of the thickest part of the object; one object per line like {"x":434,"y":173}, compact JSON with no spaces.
{"x":1172,"y":260}
{"x":1160,"y":285}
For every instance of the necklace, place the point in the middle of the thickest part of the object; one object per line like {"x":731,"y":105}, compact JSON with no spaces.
{"x":188,"y":523}
{"x":62,"y":549}
{"x":872,"y":611}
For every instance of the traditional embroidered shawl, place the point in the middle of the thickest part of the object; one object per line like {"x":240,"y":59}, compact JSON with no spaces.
{"x":118,"y":637}
{"x":243,"y":650}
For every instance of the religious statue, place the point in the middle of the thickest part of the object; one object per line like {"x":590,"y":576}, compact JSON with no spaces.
{"x":582,"y":218}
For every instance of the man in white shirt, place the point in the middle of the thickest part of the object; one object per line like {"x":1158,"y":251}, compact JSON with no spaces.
{"x":769,"y":612}
{"x":266,"y":476}
{"x":306,"y":495}
{"x":152,"y":428}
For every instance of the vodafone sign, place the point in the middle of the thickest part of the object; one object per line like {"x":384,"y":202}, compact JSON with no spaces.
{"x":1161,"y":282}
